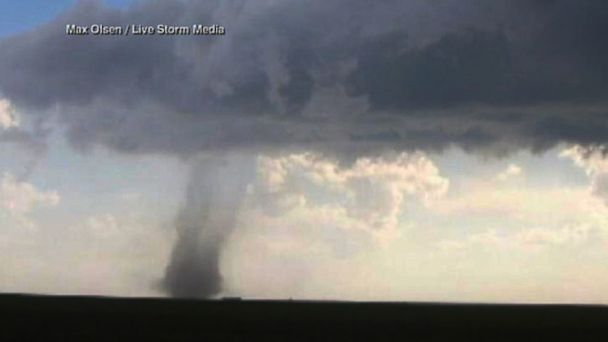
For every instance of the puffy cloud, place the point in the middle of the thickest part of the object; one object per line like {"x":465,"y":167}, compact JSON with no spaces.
{"x":370,"y":194}
{"x":31,"y":142}
{"x":305,"y":212}
{"x":8,"y":119}
{"x":331,"y":76}
{"x":503,"y":216}
{"x":595,"y":163}
{"x":484,"y":240}
{"x":18,"y":199}
{"x":511,"y":171}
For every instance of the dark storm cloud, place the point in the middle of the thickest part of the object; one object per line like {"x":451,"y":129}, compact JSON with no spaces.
{"x":255,"y":86}
{"x":345,"y":77}
{"x":460,"y":68}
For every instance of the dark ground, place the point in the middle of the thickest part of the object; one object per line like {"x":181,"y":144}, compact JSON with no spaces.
{"x":106,"y":319}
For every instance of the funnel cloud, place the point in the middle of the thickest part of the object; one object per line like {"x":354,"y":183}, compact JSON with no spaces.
{"x":343,"y":78}
{"x":206,"y":219}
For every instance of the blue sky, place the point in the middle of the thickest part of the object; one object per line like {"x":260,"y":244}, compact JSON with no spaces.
{"x":405,"y":226}
{"x":17,"y":16}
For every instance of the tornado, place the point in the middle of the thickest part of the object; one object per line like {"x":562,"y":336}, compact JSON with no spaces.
{"x":335,"y":77}
{"x":208,"y":215}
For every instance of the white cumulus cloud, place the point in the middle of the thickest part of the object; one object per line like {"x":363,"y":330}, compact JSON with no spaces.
{"x":511,"y":171}
{"x":594,"y":160}
{"x":8,"y":117}
{"x":18,"y":199}
{"x":370,"y":194}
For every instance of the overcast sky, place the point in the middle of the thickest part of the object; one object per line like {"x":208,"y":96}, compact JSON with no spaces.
{"x":406,"y":150}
